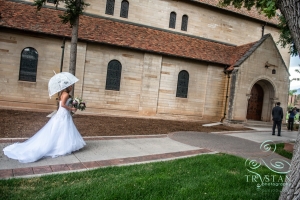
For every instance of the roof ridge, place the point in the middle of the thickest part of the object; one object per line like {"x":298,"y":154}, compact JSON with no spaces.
{"x":246,"y":51}
{"x":254,"y":46}
{"x":252,"y":13}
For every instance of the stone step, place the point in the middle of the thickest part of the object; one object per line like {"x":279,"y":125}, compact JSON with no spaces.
{"x":253,"y":123}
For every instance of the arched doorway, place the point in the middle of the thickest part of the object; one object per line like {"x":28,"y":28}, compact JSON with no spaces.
{"x":255,"y":103}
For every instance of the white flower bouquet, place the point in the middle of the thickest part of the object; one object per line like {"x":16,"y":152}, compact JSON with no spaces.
{"x":78,"y":103}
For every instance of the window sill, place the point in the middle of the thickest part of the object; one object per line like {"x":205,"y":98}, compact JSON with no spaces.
{"x":27,"y":82}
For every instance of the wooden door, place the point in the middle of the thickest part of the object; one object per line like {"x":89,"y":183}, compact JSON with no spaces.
{"x":255,"y":103}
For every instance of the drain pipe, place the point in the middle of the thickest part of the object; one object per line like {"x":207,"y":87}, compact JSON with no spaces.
{"x":227,"y":89}
{"x":263,"y":30}
{"x":62,"y":54}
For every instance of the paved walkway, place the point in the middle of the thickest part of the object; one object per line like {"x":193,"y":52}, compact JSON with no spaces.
{"x":124,"y":150}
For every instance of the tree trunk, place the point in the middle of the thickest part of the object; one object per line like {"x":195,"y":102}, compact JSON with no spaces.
{"x":291,"y":11}
{"x":291,"y":189}
{"x":73,"y":50}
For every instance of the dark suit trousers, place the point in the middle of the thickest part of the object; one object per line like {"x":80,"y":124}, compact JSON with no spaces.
{"x":291,"y":124}
{"x":278,"y":124}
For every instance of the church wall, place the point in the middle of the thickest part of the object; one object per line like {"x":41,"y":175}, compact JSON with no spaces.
{"x":202,"y":100}
{"x":216,"y":85}
{"x":128,"y":97}
{"x":16,"y":93}
{"x":151,"y":79}
{"x":148,"y":81}
{"x":149,"y":84}
{"x":254,"y":70}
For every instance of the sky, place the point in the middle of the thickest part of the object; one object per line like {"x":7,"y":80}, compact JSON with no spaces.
{"x":294,"y":64}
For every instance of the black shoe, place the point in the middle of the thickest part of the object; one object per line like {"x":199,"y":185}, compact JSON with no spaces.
{"x":279,"y":135}
{"x":273,"y":134}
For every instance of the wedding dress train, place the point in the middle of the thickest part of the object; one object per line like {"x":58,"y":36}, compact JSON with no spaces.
{"x":58,"y":137}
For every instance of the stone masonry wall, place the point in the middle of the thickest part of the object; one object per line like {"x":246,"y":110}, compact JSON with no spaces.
{"x":18,"y":94}
{"x":252,"y":71}
{"x":148,"y":81}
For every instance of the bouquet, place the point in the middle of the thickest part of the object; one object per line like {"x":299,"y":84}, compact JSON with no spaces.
{"x":78,"y":103}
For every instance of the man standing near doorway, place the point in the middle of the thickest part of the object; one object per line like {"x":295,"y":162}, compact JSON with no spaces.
{"x":277,"y":114}
{"x":292,"y":115}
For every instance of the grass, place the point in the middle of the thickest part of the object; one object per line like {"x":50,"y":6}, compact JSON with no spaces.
{"x":218,"y":176}
{"x":280,"y":150}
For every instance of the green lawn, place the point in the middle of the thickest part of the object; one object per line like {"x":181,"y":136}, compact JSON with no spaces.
{"x":216,"y":176}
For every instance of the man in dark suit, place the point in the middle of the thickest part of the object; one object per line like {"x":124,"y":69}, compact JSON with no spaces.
{"x":277,"y":114}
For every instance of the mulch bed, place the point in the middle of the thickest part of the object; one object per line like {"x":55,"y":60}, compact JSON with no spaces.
{"x":23,"y":124}
{"x":289,"y":147}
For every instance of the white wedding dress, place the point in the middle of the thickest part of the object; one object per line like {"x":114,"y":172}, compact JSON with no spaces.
{"x":58,"y":137}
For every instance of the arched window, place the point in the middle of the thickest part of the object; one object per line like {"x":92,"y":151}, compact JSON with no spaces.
{"x":182,"y":84}
{"x":124,"y":9}
{"x":28,"y":64}
{"x":113,"y":77}
{"x":110,"y":5}
{"x":184,"y":22}
{"x":172,"y":20}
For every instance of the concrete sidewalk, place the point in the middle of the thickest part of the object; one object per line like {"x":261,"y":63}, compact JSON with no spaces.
{"x":101,"y":152}
{"x":124,"y":150}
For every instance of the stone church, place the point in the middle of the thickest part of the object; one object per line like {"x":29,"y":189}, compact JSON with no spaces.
{"x":166,"y":59}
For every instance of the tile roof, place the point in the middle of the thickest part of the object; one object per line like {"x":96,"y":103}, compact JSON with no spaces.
{"x":21,"y":16}
{"x":253,"y":13}
{"x":244,"y":51}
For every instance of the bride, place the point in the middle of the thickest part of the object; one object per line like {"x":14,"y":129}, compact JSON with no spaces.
{"x":58,"y":137}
